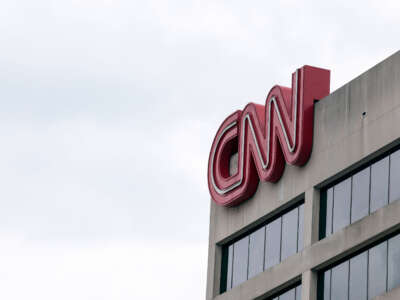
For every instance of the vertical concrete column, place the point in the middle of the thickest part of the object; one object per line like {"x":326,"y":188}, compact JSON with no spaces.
{"x":309,"y":285}
{"x":311,"y":217}
{"x":311,"y":236}
{"x":214,"y":260}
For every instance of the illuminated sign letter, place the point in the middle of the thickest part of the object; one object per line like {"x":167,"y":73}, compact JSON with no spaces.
{"x":265,"y":136}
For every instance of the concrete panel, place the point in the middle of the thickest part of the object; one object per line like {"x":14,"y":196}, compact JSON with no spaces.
{"x":309,"y":282}
{"x":392,"y":295}
{"x":311,"y":217}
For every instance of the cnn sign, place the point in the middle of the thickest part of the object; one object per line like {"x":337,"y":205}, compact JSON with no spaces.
{"x":265,"y":137}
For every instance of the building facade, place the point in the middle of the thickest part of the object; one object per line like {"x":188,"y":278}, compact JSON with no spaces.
{"x":329,"y":230}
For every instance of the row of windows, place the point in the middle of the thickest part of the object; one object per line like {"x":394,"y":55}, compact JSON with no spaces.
{"x":361,"y":194}
{"x":364,"y":276}
{"x":263,"y":248}
{"x":341,"y":204}
{"x":293,"y":294}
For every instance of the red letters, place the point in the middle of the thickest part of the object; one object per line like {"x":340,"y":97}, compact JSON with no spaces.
{"x":265,"y":137}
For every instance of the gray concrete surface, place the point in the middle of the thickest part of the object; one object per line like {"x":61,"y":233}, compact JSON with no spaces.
{"x":392,"y":295}
{"x":343,"y":140}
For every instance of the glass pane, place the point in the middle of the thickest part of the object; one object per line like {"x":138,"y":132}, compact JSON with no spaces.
{"x":358,"y":277}
{"x":229,"y":272}
{"x":329,"y":210}
{"x":289,"y":295}
{"x":256,"y":252}
{"x":298,"y":292}
{"x":394,"y":262}
{"x":340,"y":281}
{"x":301,"y":228}
{"x":377,"y":270}
{"x":395,"y":176}
{"x":360,"y":195}
{"x":240,"y":257}
{"x":289,"y":234}
{"x":341,"y":204}
{"x":273,"y":243}
{"x":379,"y":184}
{"x":327,"y":285}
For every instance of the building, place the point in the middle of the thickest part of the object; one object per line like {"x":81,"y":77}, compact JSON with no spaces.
{"x":330,"y":229}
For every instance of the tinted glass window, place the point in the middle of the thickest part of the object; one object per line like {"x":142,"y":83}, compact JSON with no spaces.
{"x":292,"y":294}
{"x":329,"y":210}
{"x":340,"y":282}
{"x":394,"y":262}
{"x":327,"y":285}
{"x":370,"y":274}
{"x":379,"y":184}
{"x":289,"y":295}
{"x":394,"y":176}
{"x":256,"y":252}
{"x":341,"y":205}
{"x":360,"y":195}
{"x":301,"y":228}
{"x":273,"y":243}
{"x":240,"y":258}
{"x":229,"y":272}
{"x":370,"y":190}
{"x":377,"y":270}
{"x":289,"y":233}
{"x":358,"y":277}
{"x":298,"y":293}
{"x":262,"y":248}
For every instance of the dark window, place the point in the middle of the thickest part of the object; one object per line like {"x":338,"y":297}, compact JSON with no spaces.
{"x":358,"y":277}
{"x":229,"y":272}
{"x":379,"y":184}
{"x":240,"y":258}
{"x":360,"y":195}
{"x":292,"y":294}
{"x":394,"y":262}
{"x":289,"y":234}
{"x":341,"y":204}
{"x":262,"y":248}
{"x":327,"y":285}
{"x":364,"y":276}
{"x":329,"y":210}
{"x":298,"y":292}
{"x":289,"y":295}
{"x":256,"y":252}
{"x":273,"y":243}
{"x":394,"y":176}
{"x":377,"y":270}
{"x":300,"y":242}
{"x":340,"y":281}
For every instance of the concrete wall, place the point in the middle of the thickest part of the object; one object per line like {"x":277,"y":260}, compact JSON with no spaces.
{"x":354,"y":124}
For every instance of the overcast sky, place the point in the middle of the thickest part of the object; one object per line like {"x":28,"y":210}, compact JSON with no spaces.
{"x":108,"y":110}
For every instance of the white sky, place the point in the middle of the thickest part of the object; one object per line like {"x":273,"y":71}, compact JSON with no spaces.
{"x":108,"y":110}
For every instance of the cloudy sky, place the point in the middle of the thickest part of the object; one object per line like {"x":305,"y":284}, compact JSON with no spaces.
{"x":108,"y":110}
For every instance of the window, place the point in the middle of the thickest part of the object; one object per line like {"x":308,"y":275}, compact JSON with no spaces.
{"x":273,"y":247}
{"x":256,"y":252}
{"x":364,"y":276}
{"x":262,"y":248}
{"x":361,"y":194}
{"x":240,"y":259}
{"x":292,"y":294}
{"x":379,"y":184}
